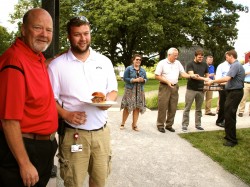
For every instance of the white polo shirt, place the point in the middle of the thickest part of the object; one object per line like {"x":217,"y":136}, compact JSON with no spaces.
{"x":74,"y":81}
{"x":170,"y":71}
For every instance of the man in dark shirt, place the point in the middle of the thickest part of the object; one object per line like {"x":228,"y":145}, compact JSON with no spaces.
{"x":195,"y":89}
{"x":234,"y":93}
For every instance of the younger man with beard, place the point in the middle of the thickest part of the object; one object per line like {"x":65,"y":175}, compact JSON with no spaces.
{"x":75,"y":75}
{"x":195,"y":89}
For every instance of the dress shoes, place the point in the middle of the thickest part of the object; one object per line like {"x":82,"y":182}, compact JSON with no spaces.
{"x":161,"y":129}
{"x":170,"y":129}
{"x":184,"y":128}
{"x":221,"y":124}
{"x":229,"y":144}
{"x":240,"y":114}
{"x":199,"y":128}
{"x":210,"y":114}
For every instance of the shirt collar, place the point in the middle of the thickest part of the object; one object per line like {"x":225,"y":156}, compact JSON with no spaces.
{"x":27,"y":50}
{"x":71,"y":56}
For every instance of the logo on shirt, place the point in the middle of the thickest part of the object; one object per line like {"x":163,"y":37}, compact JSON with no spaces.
{"x":98,"y":67}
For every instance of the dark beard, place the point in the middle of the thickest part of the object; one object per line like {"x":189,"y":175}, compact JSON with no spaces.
{"x":77,"y":50}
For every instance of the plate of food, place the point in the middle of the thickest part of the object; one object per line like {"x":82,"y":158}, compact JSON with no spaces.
{"x":104,"y":103}
{"x":99,"y":99}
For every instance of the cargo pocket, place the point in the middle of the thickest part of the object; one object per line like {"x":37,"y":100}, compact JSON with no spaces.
{"x":109,"y":163}
{"x":65,"y":171}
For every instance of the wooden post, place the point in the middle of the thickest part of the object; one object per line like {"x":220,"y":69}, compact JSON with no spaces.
{"x":52,"y":6}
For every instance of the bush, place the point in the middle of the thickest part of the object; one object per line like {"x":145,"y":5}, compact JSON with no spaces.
{"x":152,"y":102}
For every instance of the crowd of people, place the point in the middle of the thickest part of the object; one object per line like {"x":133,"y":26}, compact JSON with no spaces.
{"x":33,"y":96}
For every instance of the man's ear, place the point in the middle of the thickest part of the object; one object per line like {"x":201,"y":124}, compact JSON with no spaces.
{"x":22,"y":30}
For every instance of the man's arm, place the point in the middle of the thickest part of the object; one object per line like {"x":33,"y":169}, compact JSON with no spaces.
{"x":198,"y":77}
{"x":221,"y":80}
{"x":13,"y":135}
{"x":163,"y":80}
{"x":186,"y":75}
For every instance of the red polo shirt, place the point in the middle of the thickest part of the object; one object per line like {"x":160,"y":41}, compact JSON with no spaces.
{"x":25,"y":90}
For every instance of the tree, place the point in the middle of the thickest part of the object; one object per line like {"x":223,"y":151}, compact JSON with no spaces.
{"x":221,"y":18}
{"x":146,"y":27}
{"x":121,"y":28}
{"x":6,"y":39}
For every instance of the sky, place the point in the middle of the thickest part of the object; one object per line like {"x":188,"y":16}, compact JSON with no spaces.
{"x":242,"y":44}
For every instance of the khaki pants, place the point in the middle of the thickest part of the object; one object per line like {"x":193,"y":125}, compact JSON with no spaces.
{"x":244,"y":99}
{"x":95,"y":157}
{"x":167,"y":105}
{"x":208,"y":101}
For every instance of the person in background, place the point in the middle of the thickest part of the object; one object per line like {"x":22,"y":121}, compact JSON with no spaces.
{"x":84,"y":145}
{"x":234,"y":88}
{"x":209,"y":94}
{"x":167,"y":72}
{"x":246,"y":90}
{"x":134,"y":97}
{"x":27,"y":107}
{"x":195,"y":89}
{"x":221,"y":71}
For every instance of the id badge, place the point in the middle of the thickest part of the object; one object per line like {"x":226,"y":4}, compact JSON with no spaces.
{"x":76,"y":148}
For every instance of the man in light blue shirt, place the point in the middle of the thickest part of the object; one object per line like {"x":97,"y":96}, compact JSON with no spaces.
{"x":221,"y":71}
{"x":246,"y":89}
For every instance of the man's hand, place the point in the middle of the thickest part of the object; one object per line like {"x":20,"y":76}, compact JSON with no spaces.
{"x":29,"y":175}
{"x":76,"y":118}
{"x":209,"y":82}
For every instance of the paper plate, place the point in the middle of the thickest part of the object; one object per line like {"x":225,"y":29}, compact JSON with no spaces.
{"x":105,"y":103}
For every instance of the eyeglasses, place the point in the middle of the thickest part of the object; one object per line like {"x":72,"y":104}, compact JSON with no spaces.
{"x":79,"y":18}
{"x":138,"y":59}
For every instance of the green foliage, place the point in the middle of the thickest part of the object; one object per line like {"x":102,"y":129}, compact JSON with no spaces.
{"x":221,"y":18}
{"x":121,"y":28}
{"x":6,"y":39}
{"x":152,"y":102}
{"x":235,"y":160}
{"x":151,"y":85}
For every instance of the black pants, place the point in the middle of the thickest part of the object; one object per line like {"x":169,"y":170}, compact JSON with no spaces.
{"x":222,"y":100}
{"x":233,"y":99}
{"x":41,"y":153}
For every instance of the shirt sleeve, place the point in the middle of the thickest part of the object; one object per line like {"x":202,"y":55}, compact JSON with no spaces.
{"x":159,"y":68}
{"x":12,"y":95}
{"x":233,"y":70}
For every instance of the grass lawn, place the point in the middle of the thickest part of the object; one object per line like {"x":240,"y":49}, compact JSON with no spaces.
{"x":150,"y":85}
{"x":236,"y":160}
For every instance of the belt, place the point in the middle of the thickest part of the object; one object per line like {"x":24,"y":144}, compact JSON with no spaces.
{"x":247,"y":82}
{"x":234,"y":90}
{"x":167,"y":84}
{"x":68,"y":126}
{"x":33,"y":136}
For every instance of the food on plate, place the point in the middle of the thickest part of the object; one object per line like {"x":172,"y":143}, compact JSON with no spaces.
{"x":98,"y":97}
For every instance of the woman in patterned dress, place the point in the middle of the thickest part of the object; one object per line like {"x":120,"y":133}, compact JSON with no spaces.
{"x":134,"y":96}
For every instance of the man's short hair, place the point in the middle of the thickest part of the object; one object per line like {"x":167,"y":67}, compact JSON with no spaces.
{"x":199,"y":52}
{"x":77,"y":22}
{"x":232,"y":53}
